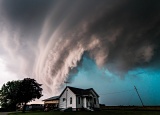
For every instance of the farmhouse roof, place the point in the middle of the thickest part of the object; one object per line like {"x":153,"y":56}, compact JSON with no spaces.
{"x":79,"y":91}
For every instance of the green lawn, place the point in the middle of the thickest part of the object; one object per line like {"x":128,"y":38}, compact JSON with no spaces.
{"x":112,"y":112}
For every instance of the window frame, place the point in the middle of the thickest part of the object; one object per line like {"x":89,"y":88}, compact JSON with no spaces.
{"x":79,"y":100}
{"x":95,"y":100}
{"x":70,"y":100}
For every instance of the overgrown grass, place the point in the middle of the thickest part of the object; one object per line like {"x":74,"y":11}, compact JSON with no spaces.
{"x":109,"y":112}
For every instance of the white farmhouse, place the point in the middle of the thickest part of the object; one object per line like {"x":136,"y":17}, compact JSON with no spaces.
{"x":77,"y":98}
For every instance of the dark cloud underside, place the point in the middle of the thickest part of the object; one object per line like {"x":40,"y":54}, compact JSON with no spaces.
{"x":51,"y":36}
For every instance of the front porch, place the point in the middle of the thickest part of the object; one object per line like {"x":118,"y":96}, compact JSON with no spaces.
{"x":88,"y":102}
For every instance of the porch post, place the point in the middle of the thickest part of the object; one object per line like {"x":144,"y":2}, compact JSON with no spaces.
{"x":84,"y":102}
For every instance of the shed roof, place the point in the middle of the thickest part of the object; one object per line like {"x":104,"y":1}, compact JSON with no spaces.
{"x":51,"y":98}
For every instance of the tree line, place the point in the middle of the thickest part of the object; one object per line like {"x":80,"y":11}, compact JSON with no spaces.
{"x":18,"y":92}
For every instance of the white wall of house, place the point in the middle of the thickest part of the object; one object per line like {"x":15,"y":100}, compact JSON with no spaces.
{"x":70,"y":94}
{"x":84,"y":102}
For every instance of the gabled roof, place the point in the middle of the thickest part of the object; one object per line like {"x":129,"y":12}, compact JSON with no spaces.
{"x":79,"y":91}
{"x":51,"y":98}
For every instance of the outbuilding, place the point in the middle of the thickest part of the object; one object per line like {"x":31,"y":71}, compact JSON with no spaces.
{"x":51,"y":103}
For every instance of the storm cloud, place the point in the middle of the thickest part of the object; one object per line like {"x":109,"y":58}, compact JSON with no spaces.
{"x":46,"y":39}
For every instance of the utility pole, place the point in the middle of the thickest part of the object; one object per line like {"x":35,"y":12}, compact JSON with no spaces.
{"x":66,"y":82}
{"x":138,"y":95}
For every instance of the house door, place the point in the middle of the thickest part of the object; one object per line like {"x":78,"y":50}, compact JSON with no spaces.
{"x":89,"y":101}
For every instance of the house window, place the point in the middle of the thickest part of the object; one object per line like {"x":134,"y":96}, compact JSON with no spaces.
{"x":63,"y":99}
{"x":79,"y":100}
{"x":70,"y":100}
{"x":94,"y":100}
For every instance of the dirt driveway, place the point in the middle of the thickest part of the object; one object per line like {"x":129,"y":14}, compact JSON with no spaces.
{"x":3,"y":113}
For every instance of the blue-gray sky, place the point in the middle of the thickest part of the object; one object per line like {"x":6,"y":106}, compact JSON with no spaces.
{"x":108,"y":45}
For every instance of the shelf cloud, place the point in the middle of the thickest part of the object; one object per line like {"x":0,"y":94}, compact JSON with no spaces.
{"x":46,"y":39}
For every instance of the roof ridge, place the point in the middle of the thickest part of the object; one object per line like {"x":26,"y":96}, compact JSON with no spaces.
{"x":88,"y":88}
{"x":79,"y":88}
{"x":75,"y":87}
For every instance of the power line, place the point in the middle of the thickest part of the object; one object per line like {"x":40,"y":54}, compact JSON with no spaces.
{"x":118,"y":92}
{"x":125,"y":90}
{"x":66,"y":82}
{"x":130,"y":98}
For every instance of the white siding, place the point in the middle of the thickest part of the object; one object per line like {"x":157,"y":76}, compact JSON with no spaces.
{"x":62,"y":104}
{"x":84,"y":101}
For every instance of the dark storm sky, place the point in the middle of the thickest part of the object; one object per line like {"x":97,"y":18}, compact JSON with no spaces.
{"x":46,"y":40}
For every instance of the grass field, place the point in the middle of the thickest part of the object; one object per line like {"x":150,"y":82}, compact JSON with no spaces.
{"x":109,"y":112}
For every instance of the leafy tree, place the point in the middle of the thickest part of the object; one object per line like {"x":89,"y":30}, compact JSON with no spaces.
{"x":21,"y":91}
{"x":8,"y":95}
{"x":29,"y":90}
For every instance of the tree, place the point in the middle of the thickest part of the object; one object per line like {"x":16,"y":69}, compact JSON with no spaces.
{"x":8,"y":95}
{"x":29,"y":90}
{"x":21,"y":91}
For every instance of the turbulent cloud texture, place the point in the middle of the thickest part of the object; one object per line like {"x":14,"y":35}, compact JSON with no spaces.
{"x":47,"y":38}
